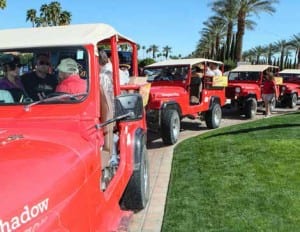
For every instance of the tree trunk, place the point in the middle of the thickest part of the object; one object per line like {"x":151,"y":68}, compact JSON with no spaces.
{"x":228,"y":39}
{"x":240,"y":35}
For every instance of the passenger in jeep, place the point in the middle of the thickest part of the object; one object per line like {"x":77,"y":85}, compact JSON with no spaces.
{"x":11,"y":81}
{"x":39,"y":83}
{"x":213,"y":70}
{"x":196,"y":83}
{"x":69,"y":79}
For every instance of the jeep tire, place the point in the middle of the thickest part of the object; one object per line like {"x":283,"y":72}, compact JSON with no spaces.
{"x":170,"y":127}
{"x":250,"y":108}
{"x":213,"y":117}
{"x":292,"y":100}
{"x":137,"y":191}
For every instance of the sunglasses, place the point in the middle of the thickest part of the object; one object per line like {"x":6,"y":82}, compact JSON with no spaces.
{"x":14,"y":66}
{"x":44,"y":63}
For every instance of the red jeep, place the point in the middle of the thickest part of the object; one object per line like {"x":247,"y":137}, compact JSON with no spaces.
{"x":244,"y":87}
{"x":181,"y":88}
{"x":58,"y":170}
{"x":290,"y":88}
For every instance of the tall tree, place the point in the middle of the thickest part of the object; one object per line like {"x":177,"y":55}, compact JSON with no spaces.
{"x":246,"y":9}
{"x":65,"y":18}
{"x":54,"y":13}
{"x":282,"y":48}
{"x":166,"y":51}
{"x":2,"y":4}
{"x":154,"y":49}
{"x":215,"y":29}
{"x":270,"y":51}
{"x":226,"y":10}
{"x":49,"y":15}
{"x":258,"y":51}
{"x":31,"y":16}
{"x":295,"y":43}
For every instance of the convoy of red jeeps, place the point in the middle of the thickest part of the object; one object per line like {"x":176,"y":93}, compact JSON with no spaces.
{"x":73,"y":162}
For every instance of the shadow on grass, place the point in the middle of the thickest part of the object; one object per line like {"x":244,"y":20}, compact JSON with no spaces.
{"x":247,"y":130}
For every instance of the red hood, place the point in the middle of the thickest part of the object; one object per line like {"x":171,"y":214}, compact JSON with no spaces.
{"x":34,"y":171}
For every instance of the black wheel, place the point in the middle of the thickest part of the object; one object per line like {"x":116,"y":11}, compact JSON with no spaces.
{"x":170,"y":127}
{"x":137,"y":191}
{"x":213,"y":117}
{"x":250,"y":108}
{"x":292,"y":100}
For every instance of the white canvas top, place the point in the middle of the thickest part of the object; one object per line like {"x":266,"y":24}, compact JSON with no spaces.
{"x":190,"y":62}
{"x":72,"y":35}
{"x":252,"y":68}
{"x":290,"y":71}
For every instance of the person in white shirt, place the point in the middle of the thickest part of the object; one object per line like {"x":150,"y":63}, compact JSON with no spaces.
{"x":213,"y":70}
{"x":124,"y":74}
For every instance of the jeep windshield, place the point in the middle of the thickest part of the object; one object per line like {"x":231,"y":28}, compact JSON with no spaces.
{"x":244,"y":76}
{"x":32,"y":75}
{"x":166,"y":73}
{"x":290,"y":76}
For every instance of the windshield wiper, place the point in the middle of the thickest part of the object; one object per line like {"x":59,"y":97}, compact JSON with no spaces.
{"x":61,"y":96}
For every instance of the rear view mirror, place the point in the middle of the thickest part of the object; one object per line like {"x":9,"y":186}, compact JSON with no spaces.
{"x":131,"y":104}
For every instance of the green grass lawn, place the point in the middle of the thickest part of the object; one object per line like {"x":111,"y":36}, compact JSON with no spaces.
{"x":240,"y":178}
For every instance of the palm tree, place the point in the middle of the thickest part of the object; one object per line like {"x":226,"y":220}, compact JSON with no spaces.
{"x":249,"y":56}
{"x":65,"y":18}
{"x":44,"y":15}
{"x":246,"y":9}
{"x":282,"y":48}
{"x":143,"y":48}
{"x":258,"y":51}
{"x":215,"y":29}
{"x":270,"y":51}
{"x":295,"y":43}
{"x":226,"y":10}
{"x":154,"y":49}
{"x":50,"y":15}
{"x":54,"y":12}
{"x":166,"y":51}
{"x":203,"y":47}
{"x":31,"y":16}
{"x":2,"y":4}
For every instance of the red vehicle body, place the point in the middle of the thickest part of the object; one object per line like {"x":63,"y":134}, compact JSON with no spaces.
{"x":170,"y":97}
{"x":55,"y":170}
{"x":290,"y":88}
{"x":244,"y":87}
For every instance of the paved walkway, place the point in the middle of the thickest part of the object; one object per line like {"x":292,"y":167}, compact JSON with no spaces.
{"x":160,"y":162}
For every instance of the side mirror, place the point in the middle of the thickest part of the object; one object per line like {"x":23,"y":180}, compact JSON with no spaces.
{"x":131,"y":104}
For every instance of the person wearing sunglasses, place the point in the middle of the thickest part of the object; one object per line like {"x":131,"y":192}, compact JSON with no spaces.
{"x":11,"y":81}
{"x":40,"y":82}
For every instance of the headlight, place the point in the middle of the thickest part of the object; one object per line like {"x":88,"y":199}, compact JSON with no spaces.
{"x":237,"y":89}
{"x":283,"y":88}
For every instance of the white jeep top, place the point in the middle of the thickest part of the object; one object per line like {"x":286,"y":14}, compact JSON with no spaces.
{"x":68,"y":35}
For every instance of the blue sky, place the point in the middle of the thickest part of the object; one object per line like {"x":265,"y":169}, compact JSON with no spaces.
{"x":161,"y":22}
